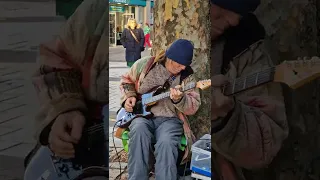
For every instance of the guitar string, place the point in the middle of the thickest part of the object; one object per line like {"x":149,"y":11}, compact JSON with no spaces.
{"x":165,"y":94}
{"x":250,"y":78}
{"x":97,"y":127}
{"x":247,"y":78}
{"x":263,"y":72}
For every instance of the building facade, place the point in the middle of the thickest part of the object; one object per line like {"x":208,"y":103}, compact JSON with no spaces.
{"x":121,"y":10}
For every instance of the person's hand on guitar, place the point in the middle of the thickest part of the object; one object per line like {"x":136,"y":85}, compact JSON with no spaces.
{"x":130,"y":103}
{"x":66,"y":131}
{"x":221,"y":105}
{"x":175,"y":94}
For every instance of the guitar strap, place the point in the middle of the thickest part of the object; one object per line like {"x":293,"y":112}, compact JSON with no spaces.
{"x":168,"y":82}
{"x":185,"y":73}
{"x":134,"y":36}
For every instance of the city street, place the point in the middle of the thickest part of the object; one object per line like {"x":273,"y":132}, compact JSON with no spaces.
{"x":117,"y":67}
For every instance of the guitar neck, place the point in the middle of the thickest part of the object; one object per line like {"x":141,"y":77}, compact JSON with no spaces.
{"x":235,"y":86}
{"x":249,"y":81}
{"x":167,"y":94}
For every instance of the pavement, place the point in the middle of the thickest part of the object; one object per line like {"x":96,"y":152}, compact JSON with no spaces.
{"x":18,"y":102}
{"x":17,"y":110}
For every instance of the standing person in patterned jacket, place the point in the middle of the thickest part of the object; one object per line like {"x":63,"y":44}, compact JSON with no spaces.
{"x":72,"y":80}
{"x":169,"y":123}
{"x":247,"y":130}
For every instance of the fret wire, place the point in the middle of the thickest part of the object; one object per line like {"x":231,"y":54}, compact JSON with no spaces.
{"x":265,"y":79}
{"x":264,"y":76}
{"x":245,"y":81}
{"x":167,"y":94}
{"x":234,"y":84}
{"x":249,"y":86}
{"x":242,"y":83}
{"x":253,"y":75}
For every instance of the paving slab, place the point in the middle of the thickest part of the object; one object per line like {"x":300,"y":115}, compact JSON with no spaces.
{"x":11,"y":168}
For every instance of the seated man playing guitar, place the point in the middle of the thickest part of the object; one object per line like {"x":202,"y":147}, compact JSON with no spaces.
{"x":168,"y":123}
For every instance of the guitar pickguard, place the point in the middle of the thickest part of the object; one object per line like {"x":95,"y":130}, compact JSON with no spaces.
{"x":89,"y":152}
{"x":141,"y":109}
{"x":66,"y":169}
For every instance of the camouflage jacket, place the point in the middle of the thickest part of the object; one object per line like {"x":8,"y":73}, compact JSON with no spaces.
{"x":73,"y":68}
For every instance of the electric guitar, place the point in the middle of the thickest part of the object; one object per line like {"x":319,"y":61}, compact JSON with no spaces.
{"x":88,"y":161}
{"x":142,"y":107}
{"x":292,"y":73}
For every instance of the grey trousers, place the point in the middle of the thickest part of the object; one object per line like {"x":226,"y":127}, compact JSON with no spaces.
{"x":166,"y":134}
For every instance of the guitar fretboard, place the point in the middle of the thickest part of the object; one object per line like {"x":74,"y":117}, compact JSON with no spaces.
{"x":249,"y":81}
{"x":167,"y":94}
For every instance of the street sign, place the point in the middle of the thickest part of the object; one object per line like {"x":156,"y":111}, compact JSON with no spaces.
{"x":119,"y":1}
{"x":117,"y":9}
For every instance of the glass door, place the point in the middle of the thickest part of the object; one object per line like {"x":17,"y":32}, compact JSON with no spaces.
{"x":112,"y":29}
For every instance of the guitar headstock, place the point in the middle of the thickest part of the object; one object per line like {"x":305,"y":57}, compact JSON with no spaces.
{"x":204,"y":84}
{"x":298,"y":72}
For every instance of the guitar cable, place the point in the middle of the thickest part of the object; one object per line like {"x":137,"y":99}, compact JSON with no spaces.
{"x":114,"y":144}
{"x":115,"y":148}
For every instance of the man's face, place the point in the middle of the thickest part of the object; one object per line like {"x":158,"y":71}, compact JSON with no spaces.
{"x":221,"y":20}
{"x":174,"y":67}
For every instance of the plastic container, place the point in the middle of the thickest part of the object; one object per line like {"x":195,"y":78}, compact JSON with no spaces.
{"x":201,"y":158}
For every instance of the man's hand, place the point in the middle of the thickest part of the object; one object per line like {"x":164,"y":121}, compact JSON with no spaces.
{"x":66,"y":131}
{"x":176,"y":94}
{"x":221,"y":105}
{"x":130,"y":103}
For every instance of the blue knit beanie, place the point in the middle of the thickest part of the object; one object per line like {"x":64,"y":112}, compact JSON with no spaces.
{"x":181,"y":51}
{"x":241,"y":7}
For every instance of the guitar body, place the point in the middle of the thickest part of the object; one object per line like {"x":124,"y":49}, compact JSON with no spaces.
{"x":141,"y":109}
{"x":88,"y":160}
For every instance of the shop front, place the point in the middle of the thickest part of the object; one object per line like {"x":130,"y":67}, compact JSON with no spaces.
{"x":119,"y":13}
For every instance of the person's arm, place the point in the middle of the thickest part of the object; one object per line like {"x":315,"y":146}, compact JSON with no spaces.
{"x":124,"y":38}
{"x":251,"y":134}
{"x":128,"y":80}
{"x":145,"y":29}
{"x":141,"y":38}
{"x":58,"y":80}
{"x":190,"y":102}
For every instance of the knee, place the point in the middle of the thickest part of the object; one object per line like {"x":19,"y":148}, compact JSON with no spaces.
{"x":167,"y":143}
{"x":138,"y":128}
